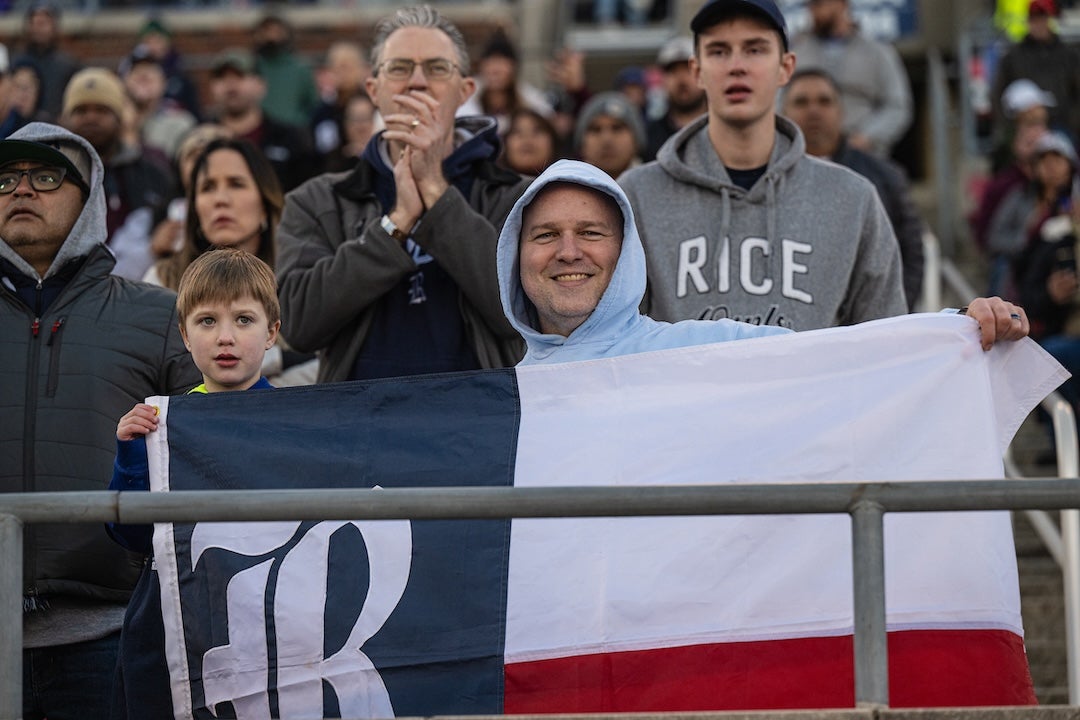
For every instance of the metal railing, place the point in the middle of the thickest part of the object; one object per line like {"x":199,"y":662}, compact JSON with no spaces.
{"x":866,"y":503}
{"x":940,"y":274}
{"x":1063,"y":545}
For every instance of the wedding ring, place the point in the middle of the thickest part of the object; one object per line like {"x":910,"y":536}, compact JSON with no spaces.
{"x":1014,"y":316}
{"x":415,"y":122}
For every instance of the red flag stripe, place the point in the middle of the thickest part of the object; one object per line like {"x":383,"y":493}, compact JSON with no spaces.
{"x":927,"y":668}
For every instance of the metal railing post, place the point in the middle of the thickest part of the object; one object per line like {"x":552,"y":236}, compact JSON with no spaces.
{"x":11,"y":582}
{"x":938,"y":100}
{"x":932,"y":272}
{"x":871,"y":640}
{"x":1069,"y":466}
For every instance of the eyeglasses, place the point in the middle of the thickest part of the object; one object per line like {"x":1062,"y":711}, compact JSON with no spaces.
{"x":42,"y":179}
{"x":433,"y":69}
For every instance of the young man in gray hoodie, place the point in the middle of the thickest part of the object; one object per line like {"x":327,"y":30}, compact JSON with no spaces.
{"x":737,"y":221}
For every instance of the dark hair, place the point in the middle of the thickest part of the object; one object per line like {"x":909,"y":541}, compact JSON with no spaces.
{"x":195,"y":243}
{"x":545,"y":127}
{"x":274,"y":18}
{"x":814,"y":72}
{"x":811,"y":72}
{"x":499,"y":45}
{"x":27,"y":63}
{"x":49,"y":8}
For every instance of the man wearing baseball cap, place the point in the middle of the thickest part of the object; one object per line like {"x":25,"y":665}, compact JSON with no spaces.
{"x":1042,"y":57}
{"x":137,"y":184}
{"x":80,"y":347}
{"x":238,"y":90}
{"x":737,"y":221}
{"x":1026,"y":108}
{"x":685,"y":100}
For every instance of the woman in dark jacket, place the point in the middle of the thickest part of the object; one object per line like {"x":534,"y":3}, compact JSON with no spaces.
{"x":1049,"y":287}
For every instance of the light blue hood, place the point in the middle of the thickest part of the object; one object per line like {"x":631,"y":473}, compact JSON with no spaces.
{"x":615,"y":327}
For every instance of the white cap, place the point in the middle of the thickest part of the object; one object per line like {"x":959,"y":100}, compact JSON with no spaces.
{"x":1022,"y":95}
{"x":675,"y":50}
{"x":1055,"y":142}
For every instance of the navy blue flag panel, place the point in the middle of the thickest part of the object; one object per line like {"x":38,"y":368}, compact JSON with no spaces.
{"x":366,"y":618}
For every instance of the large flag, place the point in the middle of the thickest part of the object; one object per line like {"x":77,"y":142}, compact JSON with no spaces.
{"x":417,"y":618}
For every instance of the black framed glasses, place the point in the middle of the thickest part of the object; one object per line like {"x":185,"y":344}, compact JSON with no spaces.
{"x":433,"y":69}
{"x":42,"y":179}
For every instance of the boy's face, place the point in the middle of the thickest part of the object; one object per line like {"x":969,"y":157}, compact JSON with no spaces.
{"x":740,"y":64}
{"x":227,"y":341}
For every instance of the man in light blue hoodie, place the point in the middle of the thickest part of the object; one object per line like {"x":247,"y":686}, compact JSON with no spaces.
{"x":572,"y":275}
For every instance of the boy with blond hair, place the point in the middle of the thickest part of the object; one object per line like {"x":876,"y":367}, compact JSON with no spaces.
{"x":229,"y":317}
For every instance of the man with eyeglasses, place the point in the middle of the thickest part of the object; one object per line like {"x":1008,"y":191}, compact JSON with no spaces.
{"x":389,"y":269}
{"x":80,"y":346}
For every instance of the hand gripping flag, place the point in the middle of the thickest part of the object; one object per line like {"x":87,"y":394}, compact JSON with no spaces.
{"x":416,"y":618}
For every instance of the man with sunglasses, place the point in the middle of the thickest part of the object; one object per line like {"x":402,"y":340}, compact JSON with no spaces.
{"x":389,"y":269}
{"x":80,"y":346}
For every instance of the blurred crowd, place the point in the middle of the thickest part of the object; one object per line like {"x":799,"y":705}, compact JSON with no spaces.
{"x":750,"y":165}
{"x":850,"y":96}
{"x":1026,"y":214}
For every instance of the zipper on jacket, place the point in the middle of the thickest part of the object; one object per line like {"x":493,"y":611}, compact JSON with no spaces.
{"x":33,"y":354}
{"x":33,"y":602}
{"x":53,"y":343}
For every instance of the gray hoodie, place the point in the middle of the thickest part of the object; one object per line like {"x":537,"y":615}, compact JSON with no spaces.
{"x":89,"y":229}
{"x":808,"y":246}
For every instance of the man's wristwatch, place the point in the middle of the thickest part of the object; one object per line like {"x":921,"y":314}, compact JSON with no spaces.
{"x":393,"y":230}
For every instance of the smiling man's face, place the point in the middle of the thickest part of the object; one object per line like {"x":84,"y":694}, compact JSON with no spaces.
{"x":571,"y":237}
{"x":35,"y":224}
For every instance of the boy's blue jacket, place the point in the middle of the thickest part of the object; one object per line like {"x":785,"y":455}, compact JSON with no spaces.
{"x":141,"y":685}
{"x":616,"y":327}
{"x":131,"y":471}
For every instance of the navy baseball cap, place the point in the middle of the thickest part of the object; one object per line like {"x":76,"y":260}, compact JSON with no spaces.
{"x":715,"y":10}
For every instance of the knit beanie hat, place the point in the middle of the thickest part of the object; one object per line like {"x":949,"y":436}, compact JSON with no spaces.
{"x":613,"y":105}
{"x":94,"y":86}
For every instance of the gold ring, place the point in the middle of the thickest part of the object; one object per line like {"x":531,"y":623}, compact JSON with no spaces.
{"x":415,"y":122}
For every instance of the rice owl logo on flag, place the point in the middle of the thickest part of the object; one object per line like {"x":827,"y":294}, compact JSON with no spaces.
{"x":373,"y":619}
{"x":365,"y":619}
{"x":234,"y":671}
